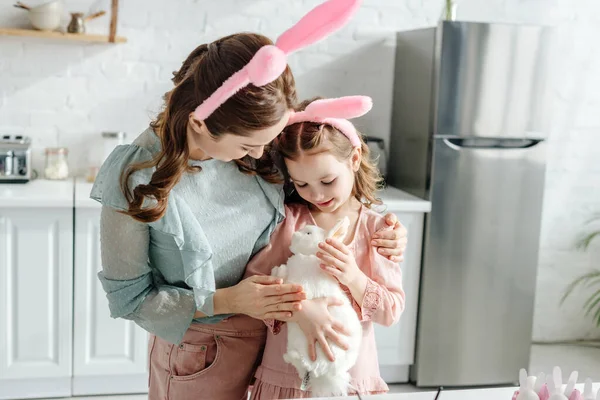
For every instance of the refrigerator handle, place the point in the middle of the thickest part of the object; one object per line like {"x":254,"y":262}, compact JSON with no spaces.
{"x":490,"y":143}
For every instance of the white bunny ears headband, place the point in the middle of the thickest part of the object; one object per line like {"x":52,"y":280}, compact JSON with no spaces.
{"x":270,"y":61}
{"x":336,"y":112}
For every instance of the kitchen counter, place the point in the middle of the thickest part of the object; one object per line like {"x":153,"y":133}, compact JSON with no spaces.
{"x":38,"y":193}
{"x":45,"y":193}
{"x":504,"y":393}
{"x":400,"y":201}
{"x":82,"y":195}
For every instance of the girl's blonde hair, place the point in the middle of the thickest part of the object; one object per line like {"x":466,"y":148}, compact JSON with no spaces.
{"x":307,"y":136}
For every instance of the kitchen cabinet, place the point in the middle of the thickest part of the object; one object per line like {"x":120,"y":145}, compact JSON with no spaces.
{"x":36,"y":292}
{"x":396,"y":344}
{"x":109,"y":355}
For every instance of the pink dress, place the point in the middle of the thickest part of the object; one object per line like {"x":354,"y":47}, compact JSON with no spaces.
{"x":383,"y":303}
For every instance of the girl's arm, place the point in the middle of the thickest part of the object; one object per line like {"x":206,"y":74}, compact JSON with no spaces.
{"x":373,"y":281}
{"x":383,"y":298}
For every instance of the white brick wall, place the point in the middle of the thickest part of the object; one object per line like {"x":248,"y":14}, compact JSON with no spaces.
{"x":67,"y":93}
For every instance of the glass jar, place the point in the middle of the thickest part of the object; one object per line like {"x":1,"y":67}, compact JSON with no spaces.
{"x":57,"y":167}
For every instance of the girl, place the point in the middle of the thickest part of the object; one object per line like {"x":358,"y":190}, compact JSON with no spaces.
{"x":327,"y":163}
{"x":180,"y":219}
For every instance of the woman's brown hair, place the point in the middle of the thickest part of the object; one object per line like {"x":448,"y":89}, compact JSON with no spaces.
{"x":307,"y":136}
{"x":252,"y":108}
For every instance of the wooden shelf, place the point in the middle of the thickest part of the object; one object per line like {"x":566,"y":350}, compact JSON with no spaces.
{"x":61,"y":35}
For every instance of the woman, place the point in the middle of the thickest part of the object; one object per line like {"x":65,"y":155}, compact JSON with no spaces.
{"x":180,"y":220}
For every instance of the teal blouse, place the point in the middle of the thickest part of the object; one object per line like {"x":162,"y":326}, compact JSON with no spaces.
{"x":158,"y":274}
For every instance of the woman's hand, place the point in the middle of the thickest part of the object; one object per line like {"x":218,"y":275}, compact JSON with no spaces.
{"x":261,"y":297}
{"x":318,"y":325}
{"x":339,"y":262}
{"x":391,"y":241}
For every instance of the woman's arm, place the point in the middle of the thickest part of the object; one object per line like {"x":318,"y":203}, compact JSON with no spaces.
{"x":133,"y":291}
{"x":391,"y":240}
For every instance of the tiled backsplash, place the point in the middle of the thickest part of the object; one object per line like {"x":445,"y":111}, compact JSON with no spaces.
{"x":68,"y":93}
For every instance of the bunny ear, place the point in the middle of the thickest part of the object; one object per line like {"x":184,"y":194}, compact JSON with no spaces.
{"x":342,"y":107}
{"x":588,"y":393}
{"x":557,"y":375}
{"x":340,"y":229}
{"x":539,"y":382}
{"x":270,"y":62}
{"x":523,"y":377}
{"x":317,"y":24}
{"x":571,"y":383}
{"x":551,"y":385}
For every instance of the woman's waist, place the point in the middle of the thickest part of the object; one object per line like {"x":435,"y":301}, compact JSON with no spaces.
{"x":239,"y":325}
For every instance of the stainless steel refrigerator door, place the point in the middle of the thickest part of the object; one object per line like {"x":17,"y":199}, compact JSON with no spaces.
{"x":492,"y":80}
{"x":480,"y":261}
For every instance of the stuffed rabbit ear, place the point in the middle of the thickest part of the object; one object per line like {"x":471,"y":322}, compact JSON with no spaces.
{"x":588,"y":392}
{"x":270,"y":61}
{"x":342,"y":107}
{"x":321,"y":21}
{"x":557,"y":376}
{"x":539,"y":382}
{"x":523,"y":378}
{"x":571,"y":383}
{"x":340,"y":230}
{"x":551,"y":385}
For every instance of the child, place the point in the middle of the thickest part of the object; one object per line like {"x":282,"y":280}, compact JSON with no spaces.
{"x":327,"y":163}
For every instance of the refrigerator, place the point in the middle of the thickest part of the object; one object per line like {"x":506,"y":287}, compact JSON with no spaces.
{"x":469,"y":133}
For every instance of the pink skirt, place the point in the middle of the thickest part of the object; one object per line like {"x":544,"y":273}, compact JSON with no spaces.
{"x":266,"y":391}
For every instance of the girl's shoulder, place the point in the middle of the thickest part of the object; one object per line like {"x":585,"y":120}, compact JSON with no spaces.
{"x":297,"y":215}
{"x":372,"y":220}
{"x":296,"y":210}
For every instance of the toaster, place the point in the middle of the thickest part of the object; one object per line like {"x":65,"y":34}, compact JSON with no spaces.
{"x":15,"y":159}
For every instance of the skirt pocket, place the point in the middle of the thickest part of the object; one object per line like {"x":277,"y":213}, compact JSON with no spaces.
{"x":195,"y":359}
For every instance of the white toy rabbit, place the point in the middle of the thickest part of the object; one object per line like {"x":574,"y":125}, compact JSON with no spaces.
{"x":322,"y":377}
{"x":588,"y":391}
{"x":540,"y":386}
{"x":570,"y":391}
{"x":526,"y":390}
{"x":555,"y":385}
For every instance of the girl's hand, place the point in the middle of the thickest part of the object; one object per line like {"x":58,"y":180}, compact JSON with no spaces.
{"x":318,"y":325}
{"x":339,"y":262}
{"x":391,"y":243}
{"x":263,"y":297}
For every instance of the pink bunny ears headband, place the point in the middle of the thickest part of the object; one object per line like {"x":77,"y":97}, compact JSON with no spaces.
{"x":336,"y":112}
{"x":270,"y":61}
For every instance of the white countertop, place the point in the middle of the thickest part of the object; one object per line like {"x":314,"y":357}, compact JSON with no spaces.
{"x":45,"y":193}
{"x":38,"y":193}
{"x":504,"y":393}
{"x":492,"y":394}
{"x":399,"y":201}
{"x":82,"y":195}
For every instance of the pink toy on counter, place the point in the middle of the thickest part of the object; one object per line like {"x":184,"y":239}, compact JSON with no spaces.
{"x":550,"y":388}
